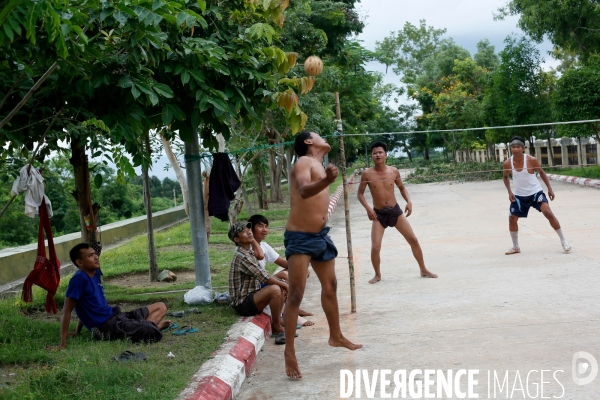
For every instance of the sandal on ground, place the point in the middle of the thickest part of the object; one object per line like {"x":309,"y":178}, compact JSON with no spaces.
{"x":275,"y":335}
{"x":129,"y":355}
{"x":176,"y":314}
{"x":170,"y":327}
{"x":513,"y":250}
{"x":280,"y":338}
{"x":184,"y":330}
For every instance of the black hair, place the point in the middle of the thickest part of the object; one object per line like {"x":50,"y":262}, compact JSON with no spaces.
{"x":258,"y":219}
{"x":300,"y":147}
{"x":517,"y":138}
{"x":75,"y":253}
{"x":377,"y":144}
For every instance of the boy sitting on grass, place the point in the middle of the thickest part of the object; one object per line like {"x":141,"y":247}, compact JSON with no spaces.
{"x":85,"y":294}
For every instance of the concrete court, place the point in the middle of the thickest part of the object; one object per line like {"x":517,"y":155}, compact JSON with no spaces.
{"x":486,"y":311}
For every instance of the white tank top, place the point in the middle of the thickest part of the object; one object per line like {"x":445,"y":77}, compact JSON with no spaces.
{"x":526,"y":184}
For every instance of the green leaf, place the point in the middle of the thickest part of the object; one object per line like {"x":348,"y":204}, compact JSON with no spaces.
{"x":98,"y":181}
{"x":185,"y":77}
{"x":153,"y":98}
{"x":181,"y":18}
{"x":144,"y":87}
{"x":167,"y":114}
{"x":135,"y":91}
{"x":9,"y":32}
{"x":198,"y":76}
{"x":121,"y":17}
{"x":219,"y":104}
{"x":157,"y":4}
{"x":125,"y":82}
{"x":202,"y":5}
{"x":163,"y":90}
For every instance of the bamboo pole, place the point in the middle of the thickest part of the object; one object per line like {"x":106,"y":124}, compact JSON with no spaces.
{"x":338,"y":115}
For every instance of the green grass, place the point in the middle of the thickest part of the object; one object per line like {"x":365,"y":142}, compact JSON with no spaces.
{"x":85,"y":370}
{"x":592,"y":172}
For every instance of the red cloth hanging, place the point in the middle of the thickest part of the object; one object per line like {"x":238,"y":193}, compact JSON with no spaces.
{"x":46,"y":272}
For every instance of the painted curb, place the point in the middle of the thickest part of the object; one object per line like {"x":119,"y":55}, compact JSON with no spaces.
{"x":221,"y":377}
{"x":595,"y":183}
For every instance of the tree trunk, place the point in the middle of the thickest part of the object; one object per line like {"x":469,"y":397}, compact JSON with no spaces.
{"x":205,"y":194}
{"x":260,"y":185}
{"x":275,"y":172}
{"x":239,"y":202}
{"x":148,"y":205}
{"x":82,"y":192}
{"x":426,"y":153}
{"x":178,"y":172}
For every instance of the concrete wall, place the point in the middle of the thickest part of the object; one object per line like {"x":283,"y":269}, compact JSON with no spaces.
{"x":17,"y":262}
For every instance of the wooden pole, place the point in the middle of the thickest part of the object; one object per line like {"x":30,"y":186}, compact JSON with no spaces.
{"x":338,"y":115}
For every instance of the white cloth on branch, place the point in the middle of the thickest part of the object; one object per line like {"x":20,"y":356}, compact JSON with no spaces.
{"x":33,"y":184}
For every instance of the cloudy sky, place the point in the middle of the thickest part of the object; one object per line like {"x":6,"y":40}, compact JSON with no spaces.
{"x":466,"y":21}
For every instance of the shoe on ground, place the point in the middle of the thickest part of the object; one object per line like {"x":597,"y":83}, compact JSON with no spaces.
{"x":566,"y":246}
{"x":513,"y":250}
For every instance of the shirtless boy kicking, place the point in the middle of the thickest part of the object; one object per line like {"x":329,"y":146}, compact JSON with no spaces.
{"x":528,"y":192}
{"x":386,"y":211}
{"x":306,"y":241}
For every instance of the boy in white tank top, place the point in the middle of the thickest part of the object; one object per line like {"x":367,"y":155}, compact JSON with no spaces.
{"x":528,"y":192}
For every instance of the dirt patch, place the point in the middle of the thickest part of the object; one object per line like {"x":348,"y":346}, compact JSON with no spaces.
{"x":141,"y":280}
{"x":176,"y":248}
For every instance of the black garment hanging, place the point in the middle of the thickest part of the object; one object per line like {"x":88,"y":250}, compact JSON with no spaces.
{"x":222,"y":186}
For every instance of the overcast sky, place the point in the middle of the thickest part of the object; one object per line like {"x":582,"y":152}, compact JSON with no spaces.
{"x":466,"y":21}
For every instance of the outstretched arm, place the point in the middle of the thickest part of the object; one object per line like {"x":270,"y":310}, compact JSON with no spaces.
{"x":64,"y":324}
{"x":505,"y":170}
{"x":361,"y":197}
{"x":538,"y":168}
{"x":302,"y":176}
{"x":403,"y":192}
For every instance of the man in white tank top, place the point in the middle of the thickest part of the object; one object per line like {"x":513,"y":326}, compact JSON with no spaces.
{"x":528,"y":192}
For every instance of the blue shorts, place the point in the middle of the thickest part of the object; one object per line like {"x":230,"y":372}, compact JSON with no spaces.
{"x":520,"y":207}
{"x":318,"y":246}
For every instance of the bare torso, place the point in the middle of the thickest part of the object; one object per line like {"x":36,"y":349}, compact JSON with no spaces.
{"x":381,"y":184}
{"x":310,"y":214}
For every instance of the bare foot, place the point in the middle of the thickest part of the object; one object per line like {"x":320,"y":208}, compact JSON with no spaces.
{"x":303,"y":313}
{"x":343,"y":342}
{"x":291,"y":366}
{"x":376,"y":279}
{"x":426,"y":274}
{"x":305,"y":322}
{"x":164,"y":324}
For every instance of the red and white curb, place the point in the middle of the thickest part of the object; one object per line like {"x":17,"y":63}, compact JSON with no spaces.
{"x":333,"y":200}
{"x":221,"y":377}
{"x":595,"y":183}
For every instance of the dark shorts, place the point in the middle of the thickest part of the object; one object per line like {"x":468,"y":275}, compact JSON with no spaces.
{"x":247,"y":308}
{"x":130,"y":325}
{"x":388,"y":216}
{"x":520,"y":207}
{"x":318,"y":246}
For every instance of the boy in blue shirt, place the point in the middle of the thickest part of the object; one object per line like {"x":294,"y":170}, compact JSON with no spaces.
{"x":85,"y":294}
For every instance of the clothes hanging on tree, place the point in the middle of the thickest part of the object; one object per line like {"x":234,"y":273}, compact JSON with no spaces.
{"x":32,"y":182}
{"x":223,"y":184}
{"x":46,"y":271}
